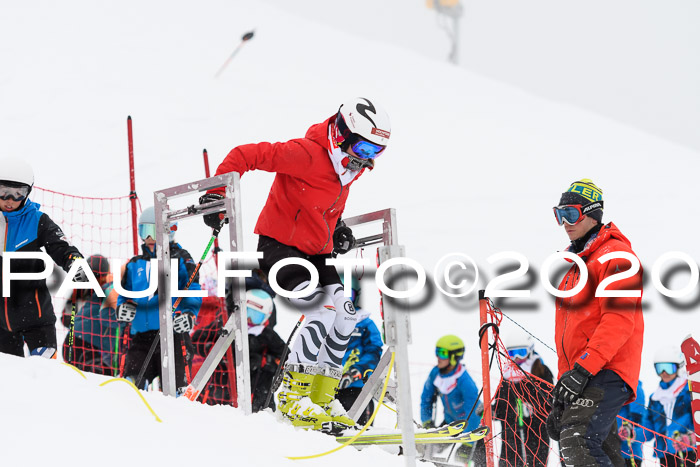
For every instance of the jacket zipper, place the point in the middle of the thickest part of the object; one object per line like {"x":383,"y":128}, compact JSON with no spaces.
{"x":38,"y":305}
{"x":7,"y":318}
{"x":566,"y":320}
{"x":328,"y":227}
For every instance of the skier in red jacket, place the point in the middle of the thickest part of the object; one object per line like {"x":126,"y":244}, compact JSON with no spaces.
{"x":302,"y":219}
{"x":599,"y":339}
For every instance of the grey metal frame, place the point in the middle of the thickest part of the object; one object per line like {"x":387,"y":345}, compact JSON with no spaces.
{"x":397,"y":327}
{"x":237,"y":323}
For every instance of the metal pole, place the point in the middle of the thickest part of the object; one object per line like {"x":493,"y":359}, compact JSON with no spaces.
{"x":165,"y":307}
{"x":398,"y":336}
{"x":132,"y":191}
{"x":486,"y":377}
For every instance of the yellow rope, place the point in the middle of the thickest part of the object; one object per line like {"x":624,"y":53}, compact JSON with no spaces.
{"x":137,"y":392}
{"x":71,"y":366}
{"x":369,"y":423}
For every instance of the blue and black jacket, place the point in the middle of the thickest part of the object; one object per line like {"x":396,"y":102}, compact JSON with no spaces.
{"x":364,"y":349}
{"x":136,"y":278}
{"x":28,"y":229}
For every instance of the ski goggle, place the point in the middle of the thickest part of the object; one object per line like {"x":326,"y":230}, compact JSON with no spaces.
{"x":147,"y":230}
{"x":256,"y":317}
{"x":366,"y":150}
{"x":669,"y":368}
{"x":572,"y":214}
{"x":442,"y":352}
{"x":519,"y":352}
{"x":15,"y":193}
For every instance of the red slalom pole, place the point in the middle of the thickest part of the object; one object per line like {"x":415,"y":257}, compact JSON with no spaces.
{"x":132,"y":192}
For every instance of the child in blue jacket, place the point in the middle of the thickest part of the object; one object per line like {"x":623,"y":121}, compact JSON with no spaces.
{"x":669,"y":412}
{"x":450,"y":382}
{"x":143,"y":313}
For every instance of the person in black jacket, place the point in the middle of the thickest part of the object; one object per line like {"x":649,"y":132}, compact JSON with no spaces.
{"x":26,"y":312}
{"x":522,"y":403}
{"x":265,"y":348}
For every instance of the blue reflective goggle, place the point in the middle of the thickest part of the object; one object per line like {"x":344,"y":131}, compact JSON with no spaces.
{"x":669,"y":368}
{"x":518,"y":352}
{"x":255,"y":316}
{"x":366,"y":150}
{"x":572,"y":214}
{"x":442,"y":353}
{"x":147,"y":230}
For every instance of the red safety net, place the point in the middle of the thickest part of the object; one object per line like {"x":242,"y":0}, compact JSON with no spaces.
{"x":96,"y":226}
{"x":521,"y":404}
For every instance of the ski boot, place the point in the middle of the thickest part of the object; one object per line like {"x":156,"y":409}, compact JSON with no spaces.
{"x":323,"y":390}
{"x":294,"y":401}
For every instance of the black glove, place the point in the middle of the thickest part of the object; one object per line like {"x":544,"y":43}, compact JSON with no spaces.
{"x":571,"y":385}
{"x":80,"y":275}
{"x":554,"y":421}
{"x":183,"y":322}
{"x":212,"y":220}
{"x":343,"y":240}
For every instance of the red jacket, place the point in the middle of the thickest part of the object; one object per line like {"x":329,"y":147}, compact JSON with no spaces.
{"x":306,"y":198}
{"x":601,"y":332}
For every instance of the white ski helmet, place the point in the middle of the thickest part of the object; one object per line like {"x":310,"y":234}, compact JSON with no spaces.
{"x":16,"y":171}
{"x":259,"y":306}
{"x":363,"y":119}
{"x":517,"y":337}
{"x":669,"y":354}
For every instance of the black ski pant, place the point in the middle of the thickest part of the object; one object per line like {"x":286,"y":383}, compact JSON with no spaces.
{"x":13,"y":342}
{"x":674,"y":460}
{"x":530,"y":438}
{"x":138,"y":351}
{"x":589,"y":427}
{"x":292,"y":275}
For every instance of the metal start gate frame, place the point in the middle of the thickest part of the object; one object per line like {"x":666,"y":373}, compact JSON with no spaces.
{"x":237,"y":322}
{"x":397,"y":330}
{"x":397,"y":323}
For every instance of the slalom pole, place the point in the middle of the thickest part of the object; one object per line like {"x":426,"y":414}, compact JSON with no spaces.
{"x":275,"y":382}
{"x":115,"y":360}
{"x":152,"y":350}
{"x":71,"y":329}
{"x":132,"y":191}
{"x":246,"y":37}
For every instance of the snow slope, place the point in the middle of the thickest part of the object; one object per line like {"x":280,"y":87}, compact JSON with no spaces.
{"x":474,"y":166}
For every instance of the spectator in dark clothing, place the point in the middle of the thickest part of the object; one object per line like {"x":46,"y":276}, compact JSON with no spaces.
{"x":265,"y":348}
{"x":522,"y":403}
{"x":95,"y":325}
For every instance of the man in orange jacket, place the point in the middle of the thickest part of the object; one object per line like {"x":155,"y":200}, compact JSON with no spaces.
{"x":302,"y":219}
{"x":599,"y":338}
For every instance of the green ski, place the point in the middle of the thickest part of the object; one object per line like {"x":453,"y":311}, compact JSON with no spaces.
{"x":452,"y":433}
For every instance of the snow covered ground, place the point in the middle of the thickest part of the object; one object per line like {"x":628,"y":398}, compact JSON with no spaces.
{"x":474,"y":167}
